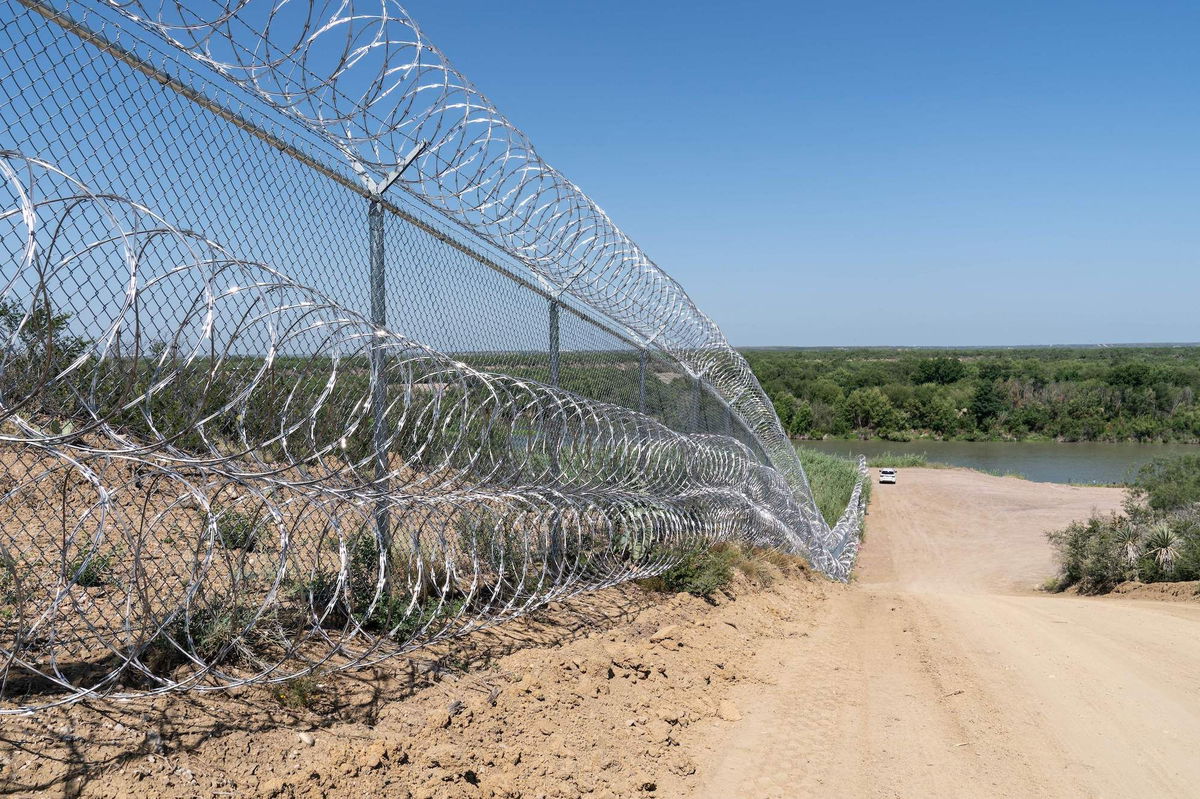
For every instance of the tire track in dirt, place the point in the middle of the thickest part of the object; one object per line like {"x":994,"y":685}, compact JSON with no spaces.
{"x":940,"y":673}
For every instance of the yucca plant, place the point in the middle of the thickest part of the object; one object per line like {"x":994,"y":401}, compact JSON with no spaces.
{"x":1164,"y":545}
{"x":1129,"y":542}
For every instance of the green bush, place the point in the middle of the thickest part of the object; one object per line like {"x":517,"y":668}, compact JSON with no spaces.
{"x":1167,"y":484}
{"x":1094,"y":555}
{"x":210,"y":632}
{"x":402,"y":608}
{"x":91,"y":569}
{"x":237,"y":530}
{"x":701,"y":573}
{"x":1156,"y":539}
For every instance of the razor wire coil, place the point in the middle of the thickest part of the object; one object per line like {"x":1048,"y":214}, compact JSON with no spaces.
{"x":216,"y":473}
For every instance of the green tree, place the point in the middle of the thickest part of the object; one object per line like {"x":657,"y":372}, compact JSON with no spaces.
{"x":38,"y":347}
{"x":942,"y":370}
{"x":934,"y":410}
{"x":994,"y":369}
{"x":43,"y":338}
{"x":868,"y":408}
{"x":802,"y":420}
{"x":987,"y":403}
{"x":785,"y":409}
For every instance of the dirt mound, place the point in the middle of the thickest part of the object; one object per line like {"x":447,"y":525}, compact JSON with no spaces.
{"x":1181,"y":592}
{"x":590,"y":700}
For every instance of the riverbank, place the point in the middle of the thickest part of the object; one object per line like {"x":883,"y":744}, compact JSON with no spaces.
{"x":1090,"y":463}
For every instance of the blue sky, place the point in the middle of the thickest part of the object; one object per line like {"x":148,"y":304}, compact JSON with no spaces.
{"x":875,"y":172}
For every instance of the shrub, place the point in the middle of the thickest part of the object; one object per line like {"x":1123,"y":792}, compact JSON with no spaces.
{"x":90,"y":569}
{"x":1093,"y":555}
{"x":298,"y":693}
{"x":1167,"y":484}
{"x":1098,"y":554}
{"x":701,"y":573}
{"x":1156,"y":540}
{"x":237,"y":530}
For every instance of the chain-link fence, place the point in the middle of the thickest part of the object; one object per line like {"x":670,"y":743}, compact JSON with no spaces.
{"x":310,"y":360}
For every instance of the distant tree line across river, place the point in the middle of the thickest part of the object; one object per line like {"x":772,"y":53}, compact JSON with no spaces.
{"x":1044,"y":393}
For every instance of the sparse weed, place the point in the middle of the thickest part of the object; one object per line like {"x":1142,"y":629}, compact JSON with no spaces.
{"x":298,"y":693}
{"x":237,"y":530}
{"x":91,"y":569}
{"x":904,"y":460}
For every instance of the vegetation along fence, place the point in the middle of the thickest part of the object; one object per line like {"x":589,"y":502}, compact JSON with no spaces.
{"x":310,"y":360}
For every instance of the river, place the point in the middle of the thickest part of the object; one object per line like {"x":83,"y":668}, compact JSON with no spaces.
{"x":1041,"y":461}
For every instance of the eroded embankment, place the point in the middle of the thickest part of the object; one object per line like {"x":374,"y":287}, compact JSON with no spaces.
{"x":593,"y":702}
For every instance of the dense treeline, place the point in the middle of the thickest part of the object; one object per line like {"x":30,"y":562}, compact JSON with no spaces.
{"x":1070,"y":394}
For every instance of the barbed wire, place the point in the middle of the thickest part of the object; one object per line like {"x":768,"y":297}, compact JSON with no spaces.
{"x":212,"y":474}
{"x":363,"y":75}
{"x":187,"y":503}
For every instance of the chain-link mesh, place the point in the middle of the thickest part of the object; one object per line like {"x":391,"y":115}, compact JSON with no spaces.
{"x":261,"y":417}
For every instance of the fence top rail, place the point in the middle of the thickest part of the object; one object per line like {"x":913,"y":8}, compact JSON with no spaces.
{"x":367,"y":79}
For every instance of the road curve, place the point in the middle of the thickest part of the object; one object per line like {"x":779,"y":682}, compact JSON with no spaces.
{"x":941,"y":673}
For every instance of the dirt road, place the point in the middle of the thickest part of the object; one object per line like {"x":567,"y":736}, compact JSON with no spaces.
{"x":940,"y":673}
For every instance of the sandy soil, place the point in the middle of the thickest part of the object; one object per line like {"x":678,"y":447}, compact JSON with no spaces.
{"x":938,"y":673}
{"x":941,"y":674}
{"x":583,"y":698}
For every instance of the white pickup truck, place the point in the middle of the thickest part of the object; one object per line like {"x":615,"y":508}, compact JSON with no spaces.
{"x":887,"y":475}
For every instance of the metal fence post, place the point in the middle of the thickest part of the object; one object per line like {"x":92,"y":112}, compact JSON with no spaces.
{"x":554,"y":555}
{"x":642,"y":381}
{"x":554,"y":363}
{"x":378,"y":283}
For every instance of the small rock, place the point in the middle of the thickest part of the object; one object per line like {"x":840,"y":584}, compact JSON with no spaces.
{"x":374,"y":756}
{"x":670,"y":631}
{"x":306,"y":738}
{"x":153,"y":742}
{"x":659,"y":731}
{"x":728,"y":711}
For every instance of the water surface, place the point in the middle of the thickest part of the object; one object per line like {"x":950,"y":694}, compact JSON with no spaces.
{"x":1043,"y":461}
